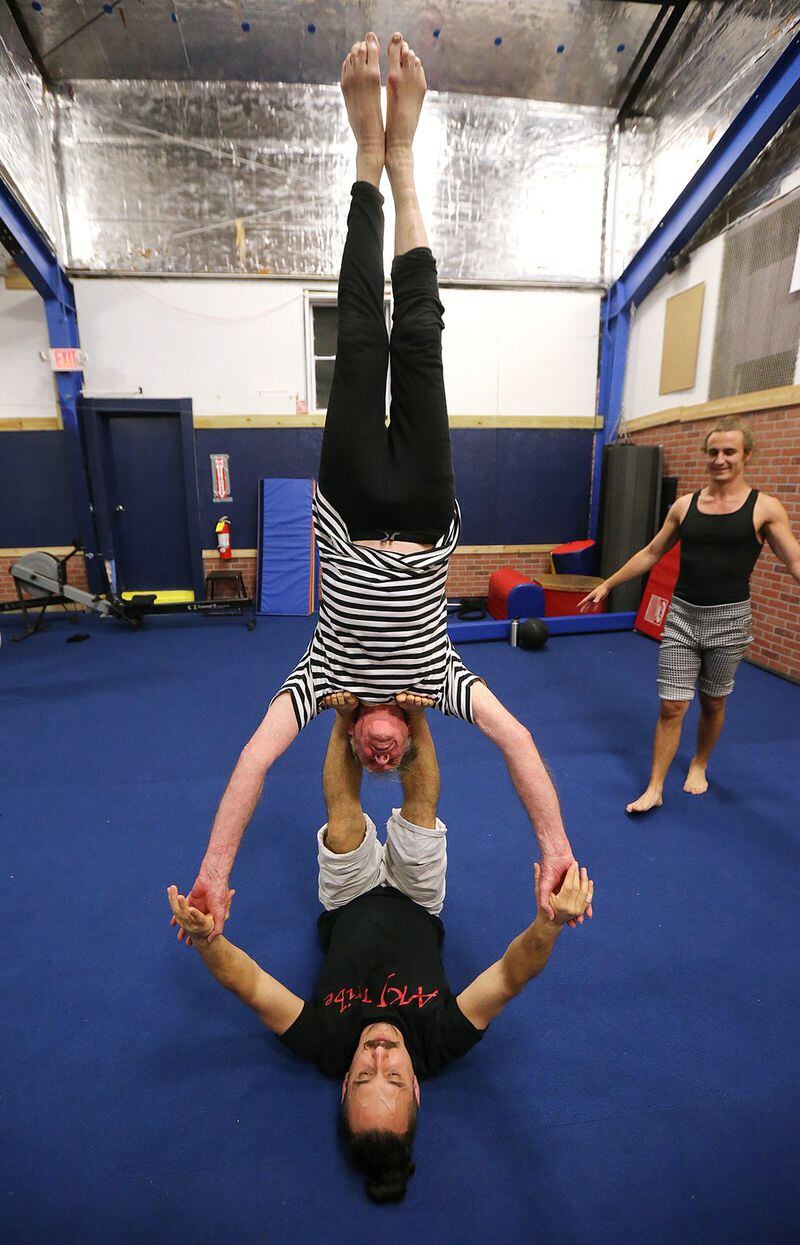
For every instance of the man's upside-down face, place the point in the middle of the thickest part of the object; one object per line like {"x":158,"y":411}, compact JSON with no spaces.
{"x":381,"y":1089}
{"x":380,"y":737}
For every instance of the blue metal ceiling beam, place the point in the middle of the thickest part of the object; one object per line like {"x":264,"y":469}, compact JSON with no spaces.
{"x":770,"y":105}
{"x":31,"y":251}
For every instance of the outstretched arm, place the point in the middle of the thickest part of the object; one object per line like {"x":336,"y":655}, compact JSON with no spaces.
{"x":532,"y":783}
{"x":210,"y":891}
{"x":781,"y":539}
{"x":645,"y":559}
{"x":276,"y":1006}
{"x":529,"y":952}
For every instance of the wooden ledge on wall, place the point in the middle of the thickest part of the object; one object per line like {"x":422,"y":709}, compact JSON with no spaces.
{"x":259,"y":421}
{"x":46,"y":423}
{"x":317,"y":420}
{"x":57,"y":551}
{"x":742,"y":404}
{"x":252,"y":553}
{"x":16,"y":279}
{"x":554,"y":422}
{"x":504,"y":549}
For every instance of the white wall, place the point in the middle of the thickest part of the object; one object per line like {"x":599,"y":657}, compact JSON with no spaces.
{"x":26,"y":383}
{"x":238,"y":347}
{"x":234,"y":347}
{"x":643,"y":371}
{"x":521,"y":352}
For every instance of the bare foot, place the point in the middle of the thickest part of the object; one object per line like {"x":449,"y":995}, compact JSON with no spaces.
{"x":405,"y":91}
{"x":696,"y":781}
{"x":651,"y":798}
{"x":345,"y":703}
{"x":361,"y":87}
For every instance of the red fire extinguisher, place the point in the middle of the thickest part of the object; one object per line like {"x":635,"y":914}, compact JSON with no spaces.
{"x":223,"y":531}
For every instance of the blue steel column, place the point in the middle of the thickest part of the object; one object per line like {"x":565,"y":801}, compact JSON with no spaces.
{"x":33,"y":254}
{"x":613,"y":356}
{"x":772,"y":103}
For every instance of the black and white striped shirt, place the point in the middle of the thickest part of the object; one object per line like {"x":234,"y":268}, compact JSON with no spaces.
{"x":382,"y":625}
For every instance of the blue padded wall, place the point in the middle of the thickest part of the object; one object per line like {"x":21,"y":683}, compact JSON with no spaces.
{"x":516,"y":486}
{"x":36,"y":505}
{"x":255,"y":454}
{"x":526,"y":486}
{"x":286,"y":562}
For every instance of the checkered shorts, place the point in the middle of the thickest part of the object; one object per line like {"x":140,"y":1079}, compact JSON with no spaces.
{"x":702,"y":646}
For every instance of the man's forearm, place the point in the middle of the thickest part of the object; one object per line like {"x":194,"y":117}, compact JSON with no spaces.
{"x":231,"y":966}
{"x":233,"y":815}
{"x":341,"y":772}
{"x":535,"y":788}
{"x":639,"y":564}
{"x":421,"y":781}
{"x":529,"y":952}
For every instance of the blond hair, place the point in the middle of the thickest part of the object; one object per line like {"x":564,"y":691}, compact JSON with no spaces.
{"x":729,"y":423}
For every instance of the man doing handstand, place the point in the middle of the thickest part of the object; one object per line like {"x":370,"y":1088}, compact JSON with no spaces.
{"x":382,"y":1015}
{"x":385,"y":513}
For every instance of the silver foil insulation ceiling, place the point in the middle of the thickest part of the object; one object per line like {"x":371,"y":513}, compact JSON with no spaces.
{"x":25,"y":155}
{"x":223,"y":175}
{"x":252,"y":178}
{"x":565,"y":51}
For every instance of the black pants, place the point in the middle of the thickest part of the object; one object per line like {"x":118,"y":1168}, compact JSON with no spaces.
{"x":395,"y":481}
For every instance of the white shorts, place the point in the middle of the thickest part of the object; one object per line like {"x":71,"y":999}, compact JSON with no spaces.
{"x":413,"y":860}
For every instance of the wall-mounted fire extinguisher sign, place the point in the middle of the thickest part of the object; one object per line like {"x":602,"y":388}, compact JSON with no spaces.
{"x":223,"y":531}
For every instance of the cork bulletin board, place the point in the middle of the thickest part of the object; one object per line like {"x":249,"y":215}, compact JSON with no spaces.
{"x":682,"y":320}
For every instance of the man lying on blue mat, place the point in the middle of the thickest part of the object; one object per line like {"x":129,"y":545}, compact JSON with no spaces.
{"x":385,"y":513}
{"x":382,"y":1014}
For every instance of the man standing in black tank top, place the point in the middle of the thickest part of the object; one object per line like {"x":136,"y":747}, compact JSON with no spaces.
{"x":722,"y":528}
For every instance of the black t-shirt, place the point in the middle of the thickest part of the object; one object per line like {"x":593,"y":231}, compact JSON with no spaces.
{"x":383,"y":962}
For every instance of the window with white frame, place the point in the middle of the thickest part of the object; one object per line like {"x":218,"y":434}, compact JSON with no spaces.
{"x":322,"y":319}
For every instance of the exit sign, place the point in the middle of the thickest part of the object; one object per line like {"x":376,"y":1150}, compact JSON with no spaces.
{"x":67,"y":359}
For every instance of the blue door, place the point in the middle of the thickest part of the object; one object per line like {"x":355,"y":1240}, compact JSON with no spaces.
{"x":141,"y":457}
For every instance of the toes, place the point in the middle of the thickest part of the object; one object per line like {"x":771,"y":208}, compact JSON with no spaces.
{"x":361,"y":51}
{"x":395,"y":46}
{"x":373,"y":47}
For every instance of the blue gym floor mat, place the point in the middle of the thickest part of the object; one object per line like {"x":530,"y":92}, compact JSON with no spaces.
{"x":644,"y":1089}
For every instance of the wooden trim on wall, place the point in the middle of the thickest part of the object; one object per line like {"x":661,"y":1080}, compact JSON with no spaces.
{"x":252,"y":553}
{"x":16,"y":279}
{"x":525,"y":421}
{"x":504,"y":548}
{"x":58,"y":551}
{"x":317,"y":420}
{"x":46,"y":423}
{"x":742,"y":404}
{"x":235,"y":553}
{"x":259,"y":421}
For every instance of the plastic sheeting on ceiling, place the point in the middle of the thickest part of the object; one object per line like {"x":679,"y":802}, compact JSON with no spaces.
{"x":567,"y":51}
{"x":213,"y":148}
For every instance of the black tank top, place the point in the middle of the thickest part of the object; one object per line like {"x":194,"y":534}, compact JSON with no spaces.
{"x":718,"y":553}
